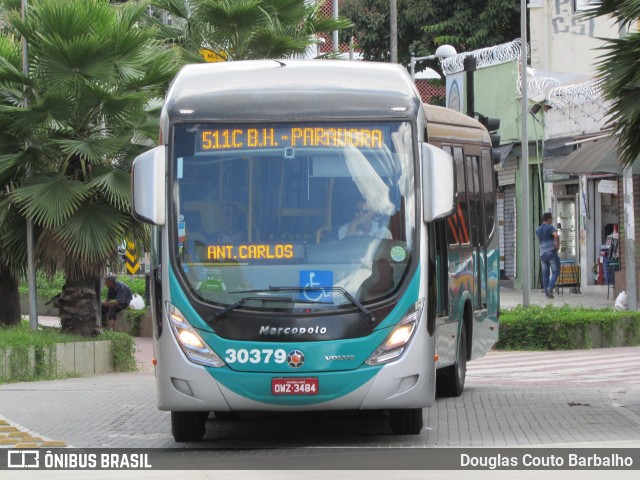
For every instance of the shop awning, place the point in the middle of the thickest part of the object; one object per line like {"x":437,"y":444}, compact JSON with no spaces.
{"x":558,"y":147}
{"x":504,"y":151}
{"x":597,"y":156}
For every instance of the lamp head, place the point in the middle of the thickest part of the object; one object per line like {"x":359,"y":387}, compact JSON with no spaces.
{"x":445,"y":51}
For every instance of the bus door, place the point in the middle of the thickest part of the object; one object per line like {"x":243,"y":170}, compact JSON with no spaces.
{"x":488,"y":202}
{"x":476,"y":220}
{"x":461,"y":267}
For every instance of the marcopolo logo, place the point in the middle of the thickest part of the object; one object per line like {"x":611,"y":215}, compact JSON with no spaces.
{"x":268,"y":331}
{"x":295,"y":359}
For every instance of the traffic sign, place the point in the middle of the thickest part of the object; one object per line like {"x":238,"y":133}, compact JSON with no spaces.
{"x":132,"y":259}
{"x":211,"y":56}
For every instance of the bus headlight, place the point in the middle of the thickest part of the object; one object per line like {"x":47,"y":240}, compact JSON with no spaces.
{"x":190,"y":341}
{"x":396,"y":342}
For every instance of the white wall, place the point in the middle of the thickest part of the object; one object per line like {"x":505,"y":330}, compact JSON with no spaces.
{"x":576,"y":120}
{"x":561,"y":41}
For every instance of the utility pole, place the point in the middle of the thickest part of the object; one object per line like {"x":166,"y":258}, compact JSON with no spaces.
{"x":31,"y":269}
{"x":524,"y":162}
{"x":334,"y":34}
{"x":630,"y":240}
{"x":629,"y":228}
{"x":393,"y":19}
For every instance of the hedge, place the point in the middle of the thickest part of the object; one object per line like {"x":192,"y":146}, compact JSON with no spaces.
{"x":565,"y":328}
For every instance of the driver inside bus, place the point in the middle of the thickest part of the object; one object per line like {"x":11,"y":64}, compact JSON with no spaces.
{"x":363,"y":224}
{"x":233,"y":225}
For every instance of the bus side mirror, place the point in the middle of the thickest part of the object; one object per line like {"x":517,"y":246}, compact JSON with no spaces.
{"x":438,"y":196}
{"x":148,"y":186}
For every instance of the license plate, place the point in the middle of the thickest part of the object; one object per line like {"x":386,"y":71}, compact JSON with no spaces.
{"x":294,"y":386}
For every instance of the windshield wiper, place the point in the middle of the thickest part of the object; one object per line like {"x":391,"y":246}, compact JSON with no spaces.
{"x":367,"y":314}
{"x":243,"y":300}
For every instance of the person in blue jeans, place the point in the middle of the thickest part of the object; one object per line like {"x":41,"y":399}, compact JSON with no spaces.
{"x":549,"y":244}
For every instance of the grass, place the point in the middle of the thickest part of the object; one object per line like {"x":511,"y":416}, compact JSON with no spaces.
{"x":22,"y":336}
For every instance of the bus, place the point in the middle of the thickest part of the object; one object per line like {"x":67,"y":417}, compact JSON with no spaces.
{"x":321,"y":240}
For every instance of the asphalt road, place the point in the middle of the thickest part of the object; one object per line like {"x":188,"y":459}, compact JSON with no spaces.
{"x":582,"y":398}
{"x":511,"y":399}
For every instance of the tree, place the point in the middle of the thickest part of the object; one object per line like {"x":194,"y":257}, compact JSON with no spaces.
{"x":88,"y":106}
{"x":618,"y":70}
{"x":472,"y":24}
{"x":425,"y":25}
{"x":247,"y":29}
{"x":371,"y":27}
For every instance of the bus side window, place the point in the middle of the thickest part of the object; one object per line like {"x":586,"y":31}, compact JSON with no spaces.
{"x":460,"y":219}
{"x":475,"y":200}
{"x":451,"y":222}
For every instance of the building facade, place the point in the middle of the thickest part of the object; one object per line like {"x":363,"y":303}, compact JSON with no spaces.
{"x":567,"y":116}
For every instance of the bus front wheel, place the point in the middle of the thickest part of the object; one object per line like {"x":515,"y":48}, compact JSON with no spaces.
{"x":407,"y":421}
{"x":450,"y":380}
{"x":188,"y":426}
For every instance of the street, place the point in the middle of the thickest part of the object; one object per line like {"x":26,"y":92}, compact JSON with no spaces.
{"x":511,"y":399}
{"x":553,"y":399}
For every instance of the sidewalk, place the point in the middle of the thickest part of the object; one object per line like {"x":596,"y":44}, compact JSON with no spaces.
{"x":595,"y":296}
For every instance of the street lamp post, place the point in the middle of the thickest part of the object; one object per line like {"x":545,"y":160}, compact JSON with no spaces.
{"x":31,"y":270}
{"x":442,"y":52}
{"x":470,"y":64}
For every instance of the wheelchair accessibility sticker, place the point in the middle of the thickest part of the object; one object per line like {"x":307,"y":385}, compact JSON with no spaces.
{"x":316,"y":285}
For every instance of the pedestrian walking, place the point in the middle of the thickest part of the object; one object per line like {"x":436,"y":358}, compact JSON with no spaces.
{"x":549,"y":245}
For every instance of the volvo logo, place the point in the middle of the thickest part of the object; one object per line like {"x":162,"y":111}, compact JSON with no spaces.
{"x":295,"y":359}
{"x":331,"y":358}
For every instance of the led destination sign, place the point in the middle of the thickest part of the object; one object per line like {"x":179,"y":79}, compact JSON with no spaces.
{"x":264,"y":252}
{"x":288,"y":137}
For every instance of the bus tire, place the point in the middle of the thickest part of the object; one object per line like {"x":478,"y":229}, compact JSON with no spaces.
{"x":188,"y":426}
{"x":450,"y":380}
{"x":406,"y":421}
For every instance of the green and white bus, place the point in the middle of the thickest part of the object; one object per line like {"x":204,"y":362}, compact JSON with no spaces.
{"x":322,"y":241}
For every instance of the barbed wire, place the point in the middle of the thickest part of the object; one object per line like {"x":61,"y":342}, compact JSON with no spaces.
{"x":485,"y":57}
{"x":573,"y":95}
{"x":538,"y":87}
{"x":550,"y":89}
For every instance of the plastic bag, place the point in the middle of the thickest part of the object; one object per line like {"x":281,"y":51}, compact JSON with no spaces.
{"x":137,"y":302}
{"x":621,"y":301}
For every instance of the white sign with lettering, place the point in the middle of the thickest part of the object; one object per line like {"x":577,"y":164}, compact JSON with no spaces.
{"x":608,"y":186}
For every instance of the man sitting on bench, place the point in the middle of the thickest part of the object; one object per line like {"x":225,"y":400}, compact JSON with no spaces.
{"x":118,"y":298}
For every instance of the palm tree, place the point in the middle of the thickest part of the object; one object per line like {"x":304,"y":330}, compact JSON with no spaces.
{"x":247,"y":29}
{"x":618,"y":70}
{"x":88,"y":106}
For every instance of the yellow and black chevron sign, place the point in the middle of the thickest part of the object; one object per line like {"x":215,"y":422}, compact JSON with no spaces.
{"x":132,"y":258}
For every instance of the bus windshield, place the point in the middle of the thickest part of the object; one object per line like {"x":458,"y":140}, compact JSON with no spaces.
{"x":319,"y":208}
